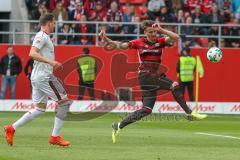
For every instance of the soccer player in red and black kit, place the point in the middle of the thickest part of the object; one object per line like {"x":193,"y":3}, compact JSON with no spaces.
{"x":150,"y":49}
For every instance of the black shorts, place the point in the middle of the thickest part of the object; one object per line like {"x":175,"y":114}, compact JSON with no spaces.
{"x":151,"y":85}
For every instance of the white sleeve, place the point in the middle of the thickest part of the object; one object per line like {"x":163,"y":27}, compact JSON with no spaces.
{"x":38,"y":42}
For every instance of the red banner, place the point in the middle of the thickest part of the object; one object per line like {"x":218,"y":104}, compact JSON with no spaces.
{"x":220,"y":82}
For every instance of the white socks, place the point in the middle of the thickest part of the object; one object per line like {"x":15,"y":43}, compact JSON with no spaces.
{"x":27,"y":117}
{"x":60,"y":116}
{"x":58,"y":123}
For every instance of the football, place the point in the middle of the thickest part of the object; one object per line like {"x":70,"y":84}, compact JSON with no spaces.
{"x":214,"y":54}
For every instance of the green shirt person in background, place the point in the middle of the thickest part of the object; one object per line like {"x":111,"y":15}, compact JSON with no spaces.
{"x":87,"y":73}
{"x":185,"y":69}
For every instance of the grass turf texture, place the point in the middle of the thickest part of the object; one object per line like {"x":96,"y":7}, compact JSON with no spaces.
{"x":146,"y":140}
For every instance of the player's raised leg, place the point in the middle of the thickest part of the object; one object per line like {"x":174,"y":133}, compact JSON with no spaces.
{"x":178,"y":96}
{"x":149,"y":98}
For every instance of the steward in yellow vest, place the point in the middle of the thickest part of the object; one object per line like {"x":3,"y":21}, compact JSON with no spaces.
{"x":185,"y":69}
{"x":87,"y":73}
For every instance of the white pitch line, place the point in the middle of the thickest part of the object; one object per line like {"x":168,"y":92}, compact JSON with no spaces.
{"x":217,"y":135}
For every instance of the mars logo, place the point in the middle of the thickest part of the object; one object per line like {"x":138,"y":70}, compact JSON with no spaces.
{"x":120,"y":68}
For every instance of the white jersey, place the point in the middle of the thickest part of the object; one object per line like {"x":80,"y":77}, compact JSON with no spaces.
{"x":42,"y":71}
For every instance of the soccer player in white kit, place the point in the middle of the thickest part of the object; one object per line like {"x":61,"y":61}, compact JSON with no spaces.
{"x":44,"y":84}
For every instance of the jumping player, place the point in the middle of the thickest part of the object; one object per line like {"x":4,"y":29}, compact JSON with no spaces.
{"x":44,"y":84}
{"x":150,"y":49}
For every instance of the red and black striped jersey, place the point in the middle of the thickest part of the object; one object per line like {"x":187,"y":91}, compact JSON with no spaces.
{"x":150,"y":54}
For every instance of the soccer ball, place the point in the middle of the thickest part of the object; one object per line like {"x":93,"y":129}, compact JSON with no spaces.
{"x":214,"y":54}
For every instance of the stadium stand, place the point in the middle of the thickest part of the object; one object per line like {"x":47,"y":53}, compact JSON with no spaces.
{"x":175,"y":12}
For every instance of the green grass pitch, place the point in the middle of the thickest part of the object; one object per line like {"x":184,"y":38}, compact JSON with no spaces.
{"x":146,"y":140}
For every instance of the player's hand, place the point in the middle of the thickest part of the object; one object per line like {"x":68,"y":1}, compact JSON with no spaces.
{"x":102,"y":34}
{"x":175,"y":84}
{"x":55,"y":65}
{"x":157,"y":26}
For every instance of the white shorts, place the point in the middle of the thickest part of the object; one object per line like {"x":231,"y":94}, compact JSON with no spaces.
{"x":52,"y":88}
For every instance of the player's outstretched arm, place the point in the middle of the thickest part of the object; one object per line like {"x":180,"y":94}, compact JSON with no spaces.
{"x":118,"y":44}
{"x":34,"y":54}
{"x":171,"y":36}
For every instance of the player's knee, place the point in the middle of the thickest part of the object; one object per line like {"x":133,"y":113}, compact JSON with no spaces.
{"x":35,"y":113}
{"x":63,"y":108}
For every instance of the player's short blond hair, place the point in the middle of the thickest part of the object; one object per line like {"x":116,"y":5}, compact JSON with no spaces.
{"x":147,"y":23}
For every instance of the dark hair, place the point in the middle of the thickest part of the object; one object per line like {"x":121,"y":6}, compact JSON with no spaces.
{"x":187,"y":50}
{"x":85,"y":50}
{"x":46,"y":18}
{"x":147,"y":23}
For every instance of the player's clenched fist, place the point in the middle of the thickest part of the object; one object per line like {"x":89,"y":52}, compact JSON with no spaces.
{"x":102,"y":34}
{"x":55,"y":64}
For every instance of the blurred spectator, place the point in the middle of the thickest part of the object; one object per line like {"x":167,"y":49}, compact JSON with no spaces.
{"x":114,"y":15}
{"x":32,"y":6}
{"x":224,"y":4}
{"x":190,"y":5}
{"x":71,"y":6}
{"x":77,"y":12}
{"x":53,"y":4}
{"x":207,"y":5}
{"x":90,"y":5}
{"x":127,"y":17}
{"x":234,"y":31}
{"x":166,"y":16}
{"x":28,"y":71}
{"x":142,"y":11}
{"x":180,"y":17}
{"x":108,"y":3}
{"x":154,"y":8}
{"x":223,"y":43}
{"x":187,"y":29}
{"x":10,"y":68}
{"x":214,"y":32}
{"x":99,"y":13}
{"x":186,"y":15}
{"x":66,"y":38}
{"x":212,"y":43}
{"x":130,"y":16}
{"x":84,"y":29}
{"x":176,"y":5}
{"x":198,"y":17}
{"x":60,"y":13}
{"x":42,"y":10}
{"x":214,"y":16}
{"x":226,"y":14}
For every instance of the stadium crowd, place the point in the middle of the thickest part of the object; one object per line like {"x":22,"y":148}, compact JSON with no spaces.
{"x":164,"y":11}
